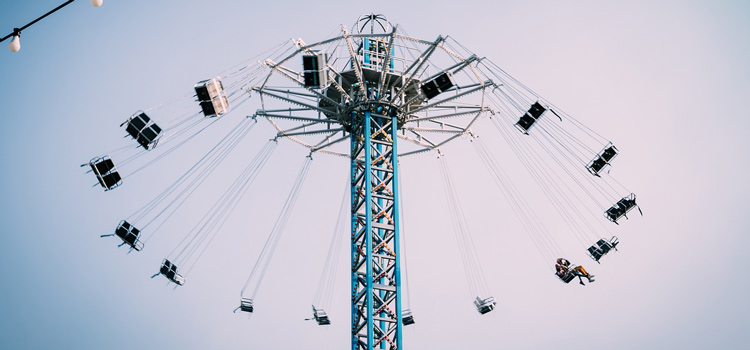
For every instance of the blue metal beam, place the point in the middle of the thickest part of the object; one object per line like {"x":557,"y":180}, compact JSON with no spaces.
{"x":397,"y":230}
{"x":375,"y":267}
{"x":368,"y":223}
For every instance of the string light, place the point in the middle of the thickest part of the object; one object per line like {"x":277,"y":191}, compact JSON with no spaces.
{"x":15,"y":42}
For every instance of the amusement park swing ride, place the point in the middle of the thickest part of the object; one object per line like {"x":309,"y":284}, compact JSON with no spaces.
{"x":374,"y":95}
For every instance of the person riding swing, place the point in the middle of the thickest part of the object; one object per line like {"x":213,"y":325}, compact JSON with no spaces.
{"x":566,"y":273}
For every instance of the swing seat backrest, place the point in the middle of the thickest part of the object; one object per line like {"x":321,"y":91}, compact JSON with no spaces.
{"x":536,"y":110}
{"x":136,"y":124}
{"x":105,"y":172}
{"x":530,"y":117}
{"x":167,"y":267}
{"x":103,"y":166}
{"x":246,"y":305}
{"x":609,"y":153}
{"x":110,"y":180}
{"x":407,"y":317}
{"x":595,"y":253}
{"x":604,"y":246}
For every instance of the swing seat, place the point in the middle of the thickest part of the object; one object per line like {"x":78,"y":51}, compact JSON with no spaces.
{"x":106,"y":172}
{"x":485,"y":305}
{"x":407,"y":317}
{"x":595,"y":253}
{"x":169,"y":270}
{"x":569,"y":276}
{"x":606,"y":246}
{"x":129,"y":235}
{"x":621,"y":208}
{"x":214,"y":107}
{"x":602,"y":247}
{"x":530,"y":117}
{"x":246,"y":305}
{"x":315,"y":71}
{"x":210,"y":96}
{"x":437,"y":86}
{"x":602,"y":159}
{"x":319,"y":315}
{"x":143,"y":130}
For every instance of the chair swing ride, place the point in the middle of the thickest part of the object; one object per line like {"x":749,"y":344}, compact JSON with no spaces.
{"x":373,"y":95}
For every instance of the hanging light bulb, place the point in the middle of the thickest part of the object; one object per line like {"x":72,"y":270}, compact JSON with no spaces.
{"x":15,"y":43}
{"x":96,"y":3}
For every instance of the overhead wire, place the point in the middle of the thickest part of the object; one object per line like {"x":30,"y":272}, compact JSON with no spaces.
{"x":568,"y":172}
{"x":199,"y":175}
{"x":266,"y":254}
{"x":542,"y":178}
{"x":474,"y":274}
{"x":504,"y":77}
{"x":402,"y":232}
{"x":596,"y":185}
{"x":575,"y":147}
{"x":579,"y":170}
{"x":545,"y":243}
{"x":186,"y":175}
{"x":198,"y":172}
{"x":184,"y":122}
{"x":324,"y":290}
{"x":225,"y":206}
{"x":178,"y":131}
{"x":170,"y":150}
{"x":546,"y":134}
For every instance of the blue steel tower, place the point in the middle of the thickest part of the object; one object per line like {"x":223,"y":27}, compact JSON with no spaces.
{"x":375,"y":264}
{"x":376,"y":270}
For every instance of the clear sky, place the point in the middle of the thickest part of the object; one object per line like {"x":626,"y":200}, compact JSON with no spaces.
{"x":667,"y":81}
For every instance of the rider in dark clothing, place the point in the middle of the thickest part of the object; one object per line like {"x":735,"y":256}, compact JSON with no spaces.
{"x":563,"y":268}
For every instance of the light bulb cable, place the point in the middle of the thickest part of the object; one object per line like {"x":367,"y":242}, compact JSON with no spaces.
{"x":17,"y":31}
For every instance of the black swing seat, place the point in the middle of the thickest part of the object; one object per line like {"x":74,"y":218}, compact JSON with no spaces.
{"x":602,"y":247}
{"x":621,"y":208}
{"x":129,"y":235}
{"x":485,"y":305}
{"x":314,"y":71}
{"x":602,"y":159}
{"x":436,"y":86}
{"x":569,"y":276}
{"x":169,"y":270}
{"x":211,"y":98}
{"x":530,"y":117}
{"x":407,"y":317}
{"x":246,"y":305}
{"x":141,"y":128}
{"x":320,"y":316}
{"x":105,"y":171}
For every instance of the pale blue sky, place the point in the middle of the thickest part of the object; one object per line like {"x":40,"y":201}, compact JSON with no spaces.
{"x":667,"y":81}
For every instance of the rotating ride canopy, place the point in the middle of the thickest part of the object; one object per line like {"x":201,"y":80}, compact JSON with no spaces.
{"x":317,"y":95}
{"x":374,"y":95}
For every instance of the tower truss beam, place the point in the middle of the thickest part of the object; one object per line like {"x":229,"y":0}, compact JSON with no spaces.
{"x":376,"y":304}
